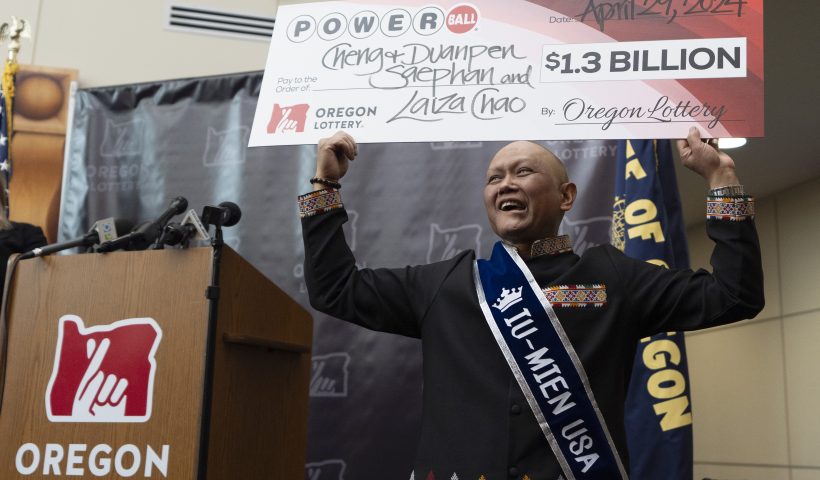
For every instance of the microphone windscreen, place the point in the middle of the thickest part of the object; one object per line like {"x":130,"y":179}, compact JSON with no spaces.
{"x":179,"y":205}
{"x":231,"y":214}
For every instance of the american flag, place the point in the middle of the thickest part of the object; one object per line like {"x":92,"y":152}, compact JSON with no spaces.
{"x":5,"y":162}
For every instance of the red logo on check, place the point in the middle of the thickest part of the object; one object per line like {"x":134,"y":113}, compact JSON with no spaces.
{"x":288,"y":119}
{"x":462,"y":18}
{"x":103,"y":373}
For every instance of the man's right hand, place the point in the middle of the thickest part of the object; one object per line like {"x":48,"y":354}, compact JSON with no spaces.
{"x":333,"y":156}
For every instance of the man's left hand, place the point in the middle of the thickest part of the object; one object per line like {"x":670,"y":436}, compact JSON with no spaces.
{"x":704,"y":158}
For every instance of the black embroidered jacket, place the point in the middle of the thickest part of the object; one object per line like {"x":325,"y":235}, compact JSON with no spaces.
{"x":476,"y":421}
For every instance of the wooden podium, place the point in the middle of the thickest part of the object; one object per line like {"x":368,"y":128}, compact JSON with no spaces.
{"x":222,"y":403}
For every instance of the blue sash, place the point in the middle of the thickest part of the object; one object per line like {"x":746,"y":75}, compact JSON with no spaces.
{"x":546,"y":367}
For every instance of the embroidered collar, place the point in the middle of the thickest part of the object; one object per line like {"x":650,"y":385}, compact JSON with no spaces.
{"x":548,"y":246}
{"x":551,"y":246}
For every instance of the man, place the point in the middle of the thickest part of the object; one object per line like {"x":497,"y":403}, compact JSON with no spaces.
{"x":496,"y":403}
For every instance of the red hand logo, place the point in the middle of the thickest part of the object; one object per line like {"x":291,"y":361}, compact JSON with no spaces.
{"x":288,"y":119}
{"x":103,"y":373}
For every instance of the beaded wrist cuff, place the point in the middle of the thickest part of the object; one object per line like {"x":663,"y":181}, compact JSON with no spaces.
{"x":326,"y":182}
{"x":733,"y":209}
{"x":320,"y":201}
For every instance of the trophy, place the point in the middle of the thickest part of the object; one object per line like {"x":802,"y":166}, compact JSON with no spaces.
{"x":13,"y":32}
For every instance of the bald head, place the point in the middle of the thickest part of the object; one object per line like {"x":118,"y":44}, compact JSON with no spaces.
{"x":523,"y":148}
{"x":526,"y":193}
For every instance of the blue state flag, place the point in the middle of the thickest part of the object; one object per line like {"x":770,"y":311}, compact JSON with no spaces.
{"x":647,"y":224}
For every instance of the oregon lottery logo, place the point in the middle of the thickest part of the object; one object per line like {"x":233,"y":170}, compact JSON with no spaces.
{"x":103,"y":373}
{"x":290,"y":118}
{"x":460,"y":19}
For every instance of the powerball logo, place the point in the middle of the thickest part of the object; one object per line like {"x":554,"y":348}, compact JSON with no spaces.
{"x":103,"y":373}
{"x":459,"y":19}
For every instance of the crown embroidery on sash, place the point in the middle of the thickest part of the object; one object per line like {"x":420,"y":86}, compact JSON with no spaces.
{"x":507,"y":299}
{"x":579,"y":295}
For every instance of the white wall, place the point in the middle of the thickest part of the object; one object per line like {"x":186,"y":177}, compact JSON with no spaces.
{"x":756,"y":384}
{"x":114,"y":42}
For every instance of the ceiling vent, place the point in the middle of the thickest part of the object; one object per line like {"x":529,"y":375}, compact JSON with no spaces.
{"x":219,"y":22}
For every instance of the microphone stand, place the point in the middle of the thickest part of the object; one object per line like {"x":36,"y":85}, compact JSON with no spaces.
{"x":4,"y":326}
{"x":212,"y":294}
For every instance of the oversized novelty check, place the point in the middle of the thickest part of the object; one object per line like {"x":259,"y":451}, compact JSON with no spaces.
{"x":407,"y":70}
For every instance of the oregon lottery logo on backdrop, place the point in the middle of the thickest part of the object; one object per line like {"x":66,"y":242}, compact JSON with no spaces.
{"x":446,"y":243}
{"x":123,"y":138}
{"x":425,"y":21}
{"x":225,"y":147}
{"x":103,"y":373}
{"x":329,"y":375}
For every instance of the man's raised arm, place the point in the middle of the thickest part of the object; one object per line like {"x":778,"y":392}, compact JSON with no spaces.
{"x":686,"y":300}
{"x":389,"y":300}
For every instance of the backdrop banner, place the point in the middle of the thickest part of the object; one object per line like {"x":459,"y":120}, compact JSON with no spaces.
{"x":133,"y":148}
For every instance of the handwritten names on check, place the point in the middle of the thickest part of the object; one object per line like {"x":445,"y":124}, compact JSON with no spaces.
{"x":439,"y":67}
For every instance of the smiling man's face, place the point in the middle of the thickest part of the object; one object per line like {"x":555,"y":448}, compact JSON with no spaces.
{"x":526,"y":193}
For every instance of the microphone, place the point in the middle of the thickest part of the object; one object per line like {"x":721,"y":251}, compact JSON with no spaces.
{"x":181,"y":233}
{"x":231,"y":214}
{"x":146,"y":232}
{"x":136,"y":239}
{"x":175,"y":234}
{"x":105,"y":228}
{"x":177,"y":206}
{"x":227,"y":214}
